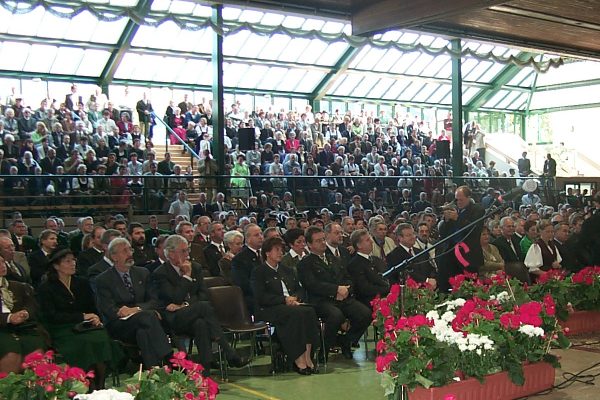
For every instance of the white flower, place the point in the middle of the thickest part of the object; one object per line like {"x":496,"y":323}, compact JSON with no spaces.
{"x":433,"y":315}
{"x":109,"y":394}
{"x":531,"y":330}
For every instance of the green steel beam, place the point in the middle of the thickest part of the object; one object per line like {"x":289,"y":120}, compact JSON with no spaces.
{"x":502,"y":78}
{"x":533,"y":90}
{"x":565,"y":108}
{"x":568,"y":85}
{"x":56,"y":42}
{"x":124,"y":43}
{"x":48,"y":77}
{"x":218,"y":115}
{"x":457,"y":109}
{"x":338,"y":70}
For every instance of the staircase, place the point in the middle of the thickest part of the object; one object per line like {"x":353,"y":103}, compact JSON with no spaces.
{"x":183,"y":160}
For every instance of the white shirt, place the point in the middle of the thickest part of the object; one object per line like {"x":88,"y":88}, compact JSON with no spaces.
{"x":219,"y":246}
{"x":286,"y":292}
{"x":180,"y":208}
{"x":534,"y":260}
{"x":364,"y":255}
{"x":296,"y":255}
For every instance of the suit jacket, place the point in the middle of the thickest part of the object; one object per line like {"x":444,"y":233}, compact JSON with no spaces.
{"x":214,"y":207}
{"x":471,"y":213}
{"x":321,"y":280}
{"x":168,"y":286}
{"x":199,"y":209}
{"x":507,"y":253}
{"x":368,"y":282}
{"x":340,"y":262}
{"x":212,"y":255}
{"x":143,"y":256}
{"x":97,"y":269}
{"x":49,"y":166}
{"x":39,"y":265}
{"x":112,"y":293}
{"x":75,"y":243}
{"x":28,"y":244}
{"x":153,"y":233}
{"x":87,"y":259}
{"x":266,"y":285}
{"x":60,"y":306}
{"x":419,"y":270}
{"x":242,"y":266}
{"x":24,"y":299}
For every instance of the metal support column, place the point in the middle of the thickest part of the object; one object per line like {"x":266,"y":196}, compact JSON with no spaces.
{"x":457,"y":109}
{"x":218,"y":117}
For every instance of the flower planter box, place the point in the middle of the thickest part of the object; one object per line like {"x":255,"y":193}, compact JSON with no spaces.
{"x":580,"y":322}
{"x":538,"y":377}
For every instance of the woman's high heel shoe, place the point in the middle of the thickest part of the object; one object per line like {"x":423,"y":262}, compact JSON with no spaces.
{"x":301,"y":371}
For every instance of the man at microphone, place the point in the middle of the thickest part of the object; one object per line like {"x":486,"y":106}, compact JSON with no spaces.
{"x":456,"y":218}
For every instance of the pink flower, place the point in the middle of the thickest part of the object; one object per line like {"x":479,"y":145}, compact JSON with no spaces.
{"x":549,"y":305}
{"x":383,"y":362}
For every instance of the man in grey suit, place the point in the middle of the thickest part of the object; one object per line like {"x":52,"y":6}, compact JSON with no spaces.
{"x":128,"y":311}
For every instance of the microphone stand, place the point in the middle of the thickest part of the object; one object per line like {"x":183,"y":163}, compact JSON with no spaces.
{"x":465,"y":228}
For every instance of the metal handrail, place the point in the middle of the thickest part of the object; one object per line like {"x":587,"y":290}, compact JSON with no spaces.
{"x":185,"y":145}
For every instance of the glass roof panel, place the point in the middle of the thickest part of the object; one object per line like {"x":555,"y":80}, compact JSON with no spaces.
{"x":272,"y":19}
{"x":490,"y":74}
{"x":370,"y":59}
{"x":467,"y":66}
{"x":333,"y":27}
{"x":313,"y":52}
{"x":439,"y":94}
{"x":196,"y":72}
{"x":365,"y":86}
{"x":337,"y":83}
{"x":425,"y":92}
{"x":434,"y":68}
{"x":408,"y":38}
{"x":520,"y":102}
{"x":333,"y":53}
{"x":411,"y":90}
{"x":479,"y":69}
{"x":67,"y":61}
{"x":360,"y":56}
{"x":251,"y":16}
{"x":419,"y":64}
{"x":468,"y":94}
{"x":293,"y":22}
{"x":232,"y":44}
{"x":13,"y":55}
{"x":504,"y":104}
{"x":523,"y":78}
{"x":253,"y":76}
{"x":24,"y":24}
{"x":40,"y":58}
{"x":272,"y":78}
{"x":380,"y":88}
{"x":311,"y":24}
{"x":388,"y":60}
{"x":310,"y":81}
{"x":274,"y":47}
{"x":395,"y":90}
{"x":253,"y":45}
{"x":293,"y":78}
{"x":160,"y":37}
{"x":564,"y":97}
{"x":496,"y":98}
{"x":346,"y":87}
{"x":120,"y":3}
{"x":570,"y":72}
{"x":232,"y":73}
{"x":405,"y":62}
{"x":295,"y":49}
{"x":92,"y":63}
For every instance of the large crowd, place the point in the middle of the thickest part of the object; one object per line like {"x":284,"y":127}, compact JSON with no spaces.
{"x":142,"y":284}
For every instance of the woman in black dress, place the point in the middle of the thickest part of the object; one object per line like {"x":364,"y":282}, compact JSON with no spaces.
{"x":20,"y":334}
{"x":71,"y":317}
{"x":275,"y":291}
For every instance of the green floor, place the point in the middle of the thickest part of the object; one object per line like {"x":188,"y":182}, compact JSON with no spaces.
{"x":357,"y":379}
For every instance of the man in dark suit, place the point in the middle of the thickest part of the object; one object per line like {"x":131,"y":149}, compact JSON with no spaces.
{"x":330,"y":289}
{"x":367,"y":281}
{"x":216,"y":248}
{"x":16,"y":272}
{"x":127,"y":307}
{"x":72,"y":100}
{"x":338,"y":205}
{"x":508,"y":244}
{"x":566,"y":248}
{"x":220,"y":205}
{"x":335,"y":252}
{"x":143,"y":255}
{"x":84,"y":226}
{"x":467,"y":211}
{"x":93,"y":254}
{"x":179,"y":286}
{"x":105,"y":263}
{"x":201,"y":208}
{"x":524,"y":165}
{"x":153,"y":231}
{"x":421,"y":269}
{"x":50,"y":163}
{"x":245,"y":261}
{"x":23,"y":242}
{"x":159,"y":249}
{"x":325,"y":156}
{"x":144,"y":108}
{"x":38,"y":260}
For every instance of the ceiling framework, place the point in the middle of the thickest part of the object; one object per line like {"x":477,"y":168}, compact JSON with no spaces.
{"x":307,"y":51}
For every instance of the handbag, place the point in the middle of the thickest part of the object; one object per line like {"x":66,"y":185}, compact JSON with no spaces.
{"x":86,"y":326}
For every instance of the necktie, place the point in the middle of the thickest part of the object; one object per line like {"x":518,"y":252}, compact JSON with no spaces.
{"x":258,"y":254}
{"x":411,"y":252}
{"x":512,"y":246}
{"x":128,"y":285}
{"x":14,"y":268}
{"x":337,"y":252}
{"x":221,"y":249}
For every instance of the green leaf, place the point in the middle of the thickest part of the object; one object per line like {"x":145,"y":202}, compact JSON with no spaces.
{"x":388,"y":383}
{"x":426,"y":383}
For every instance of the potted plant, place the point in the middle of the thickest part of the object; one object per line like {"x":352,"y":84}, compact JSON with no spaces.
{"x":182,"y":381}
{"x":42,"y":379}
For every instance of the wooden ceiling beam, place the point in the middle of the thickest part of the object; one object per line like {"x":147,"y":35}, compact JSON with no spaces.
{"x":388,"y":14}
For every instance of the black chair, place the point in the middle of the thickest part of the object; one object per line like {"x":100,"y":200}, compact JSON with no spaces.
{"x":230,"y":308}
{"x":212,"y":281}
